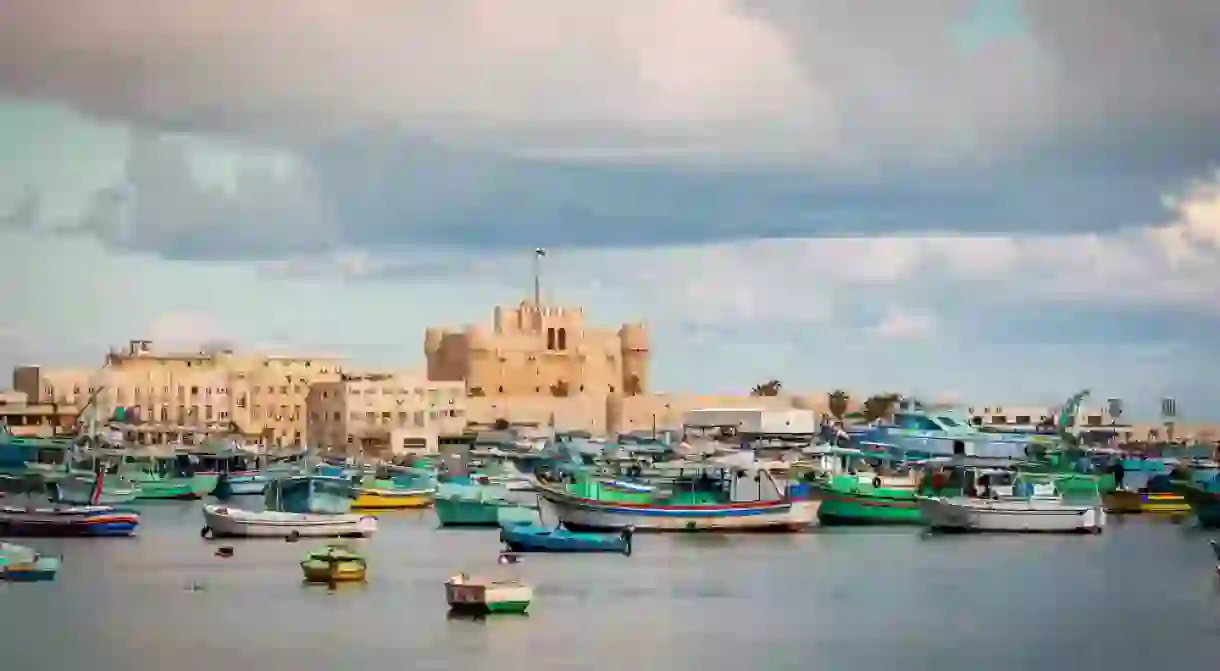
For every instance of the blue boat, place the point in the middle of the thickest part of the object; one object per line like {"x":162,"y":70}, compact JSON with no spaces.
{"x":537,"y":538}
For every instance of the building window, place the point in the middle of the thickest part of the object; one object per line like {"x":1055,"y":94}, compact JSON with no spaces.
{"x":550,"y":338}
{"x":563,"y":339}
{"x":999,"y":419}
{"x":1093,"y":420}
{"x":337,"y":416}
{"x":1023,"y":419}
{"x":501,"y":388}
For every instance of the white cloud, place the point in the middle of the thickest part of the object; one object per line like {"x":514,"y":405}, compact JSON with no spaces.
{"x":902,"y":324}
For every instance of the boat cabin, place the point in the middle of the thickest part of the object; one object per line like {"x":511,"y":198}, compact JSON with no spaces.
{"x":310,"y":494}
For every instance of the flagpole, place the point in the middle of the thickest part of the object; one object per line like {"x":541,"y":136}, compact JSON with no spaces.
{"x":539,"y":252}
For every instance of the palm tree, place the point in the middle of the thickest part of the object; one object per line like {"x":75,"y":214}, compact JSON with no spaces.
{"x":560,"y":389}
{"x":768,"y":388}
{"x":836,"y":403}
{"x":880,"y":406}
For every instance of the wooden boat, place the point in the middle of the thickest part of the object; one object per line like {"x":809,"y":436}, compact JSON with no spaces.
{"x":538,"y":538}
{"x":473,"y":594}
{"x":1204,"y":503}
{"x":391,"y":498}
{"x":163,"y":479}
{"x":478,"y":506}
{"x":738,"y":500}
{"x":1127,"y":502}
{"x":91,"y":490}
{"x":22,"y":564}
{"x":337,"y":563}
{"x":67,"y":521}
{"x":393,"y":488}
{"x":297,"y":507}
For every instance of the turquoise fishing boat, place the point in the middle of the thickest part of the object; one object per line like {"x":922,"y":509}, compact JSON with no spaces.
{"x":478,"y":506}
{"x":19,"y":563}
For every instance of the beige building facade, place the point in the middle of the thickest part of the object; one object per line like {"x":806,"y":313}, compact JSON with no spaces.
{"x":375,"y":413}
{"x":35,"y":420}
{"x":168,"y":396}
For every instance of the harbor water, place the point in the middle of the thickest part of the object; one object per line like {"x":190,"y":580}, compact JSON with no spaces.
{"x":1143,"y":595}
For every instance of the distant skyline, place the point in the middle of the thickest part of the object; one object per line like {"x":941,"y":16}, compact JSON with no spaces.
{"x":1005,"y":201}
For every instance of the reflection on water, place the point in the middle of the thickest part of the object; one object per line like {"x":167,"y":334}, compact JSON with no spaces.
{"x":1140,"y":596}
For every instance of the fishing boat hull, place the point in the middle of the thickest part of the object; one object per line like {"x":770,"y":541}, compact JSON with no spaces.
{"x":580,"y":514}
{"x":458,"y":512}
{"x":1124,"y":502}
{"x":21,"y":564}
{"x":74,"y":521}
{"x":178,"y":489}
{"x":1204,"y":504}
{"x":487,"y":597}
{"x":1019,"y":516}
{"x":226,"y":522}
{"x":535,"y":538}
{"x":859,"y":508}
{"x":319,"y":571}
{"x":393,"y":499}
{"x":62,"y":492}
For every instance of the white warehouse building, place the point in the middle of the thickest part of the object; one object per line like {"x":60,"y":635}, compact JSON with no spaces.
{"x":753,"y":421}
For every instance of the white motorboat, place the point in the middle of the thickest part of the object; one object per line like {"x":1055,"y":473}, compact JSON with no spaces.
{"x":307,"y":506}
{"x":1037,"y":513}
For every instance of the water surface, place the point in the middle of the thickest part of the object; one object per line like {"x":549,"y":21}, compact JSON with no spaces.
{"x":1142,"y":595}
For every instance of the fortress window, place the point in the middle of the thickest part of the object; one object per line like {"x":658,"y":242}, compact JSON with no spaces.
{"x":550,"y":338}
{"x":563,"y":339}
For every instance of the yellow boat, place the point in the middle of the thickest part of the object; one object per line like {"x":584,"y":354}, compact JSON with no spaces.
{"x":1124,"y":502}
{"x":1165,"y":503}
{"x":379,"y":498}
{"x":335,"y":564}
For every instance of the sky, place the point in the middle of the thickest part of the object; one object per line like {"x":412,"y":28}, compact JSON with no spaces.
{"x":997,"y":201}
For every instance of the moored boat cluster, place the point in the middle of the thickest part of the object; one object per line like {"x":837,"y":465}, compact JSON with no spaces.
{"x":579,"y":495}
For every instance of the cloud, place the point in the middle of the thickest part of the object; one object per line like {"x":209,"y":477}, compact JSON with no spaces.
{"x":901,"y":324}
{"x":838,"y":80}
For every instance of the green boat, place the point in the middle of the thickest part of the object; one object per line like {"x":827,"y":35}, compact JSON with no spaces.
{"x":851,"y":500}
{"x":158,"y":479}
{"x":478,"y":506}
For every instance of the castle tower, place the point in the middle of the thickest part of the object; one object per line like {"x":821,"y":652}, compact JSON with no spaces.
{"x":433,"y":356}
{"x":633,"y":339}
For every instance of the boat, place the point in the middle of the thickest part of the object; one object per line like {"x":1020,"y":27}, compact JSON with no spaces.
{"x":479,"y":595}
{"x":1157,"y":497}
{"x":478,"y":506}
{"x":312,"y":506}
{"x":19,"y":563}
{"x":394,"y":489}
{"x":715,"y":497}
{"x":67,"y":521}
{"x":391,"y":498}
{"x":81,"y":489}
{"x":337,"y":563}
{"x":240,"y":471}
{"x":538,"y":538}
{"x":1204,"y":502}
{"x":161,"y":478}
{"x":1025,"y":510}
